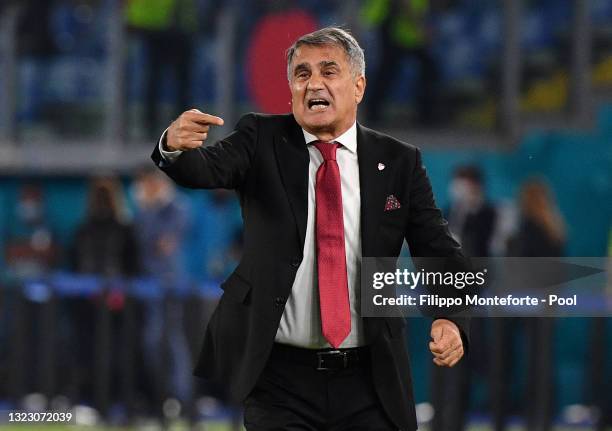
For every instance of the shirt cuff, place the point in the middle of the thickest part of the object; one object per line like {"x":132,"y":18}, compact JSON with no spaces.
{"x":168,"y":156}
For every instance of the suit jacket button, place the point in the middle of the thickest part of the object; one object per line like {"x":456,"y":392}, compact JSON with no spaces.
{"x":296,"y":262}
{"x":279,"y":301}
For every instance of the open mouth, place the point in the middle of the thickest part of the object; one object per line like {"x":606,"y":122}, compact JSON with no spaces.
{"x":317,"y":104}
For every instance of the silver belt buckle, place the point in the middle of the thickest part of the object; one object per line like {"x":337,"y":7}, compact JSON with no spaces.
{"x":321,"y":356}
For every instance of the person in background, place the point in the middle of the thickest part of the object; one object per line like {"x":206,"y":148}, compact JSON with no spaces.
{"x":471,"y":217}
{"x":31,"y":254}
{"x":541,"y":233}
{"x":472,"y":220}
{"x":162,"y":223}
{"x":403,"y":32}
{"x":166,"y":29}
{"x":105,"y":242}
{"x":31,"y":250}
{"x":104,"y":245}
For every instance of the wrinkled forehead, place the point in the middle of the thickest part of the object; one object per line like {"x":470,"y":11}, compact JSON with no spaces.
{"x":319,"y":55}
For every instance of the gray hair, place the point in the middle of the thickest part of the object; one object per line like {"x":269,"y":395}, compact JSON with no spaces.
{"x":331,"y":36}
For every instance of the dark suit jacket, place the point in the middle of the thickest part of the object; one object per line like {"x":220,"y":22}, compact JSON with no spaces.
{"x":266,"y":160}
{"x":477,"y":230}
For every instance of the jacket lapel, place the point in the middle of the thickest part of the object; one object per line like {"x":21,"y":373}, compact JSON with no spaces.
{"x":373,"y":185}
{"x":293,"y":159}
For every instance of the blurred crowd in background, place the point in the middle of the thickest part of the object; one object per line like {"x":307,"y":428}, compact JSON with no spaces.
{"x":431,"y":62}
{"x":107,"y":276}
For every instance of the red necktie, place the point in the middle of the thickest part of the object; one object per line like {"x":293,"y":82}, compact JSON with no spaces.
{"x":331,"y":257}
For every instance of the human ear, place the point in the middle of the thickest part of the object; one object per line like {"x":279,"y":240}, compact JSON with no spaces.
{"x":360,"y":85}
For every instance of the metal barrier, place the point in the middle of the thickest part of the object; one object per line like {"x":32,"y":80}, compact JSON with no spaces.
{"x":79,"y":336}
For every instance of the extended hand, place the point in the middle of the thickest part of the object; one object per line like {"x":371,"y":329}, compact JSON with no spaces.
{"x":190,"y":130}
{"x":447,"y":346}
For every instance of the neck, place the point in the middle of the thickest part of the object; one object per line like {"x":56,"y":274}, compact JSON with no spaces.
{"x":328,"y":134}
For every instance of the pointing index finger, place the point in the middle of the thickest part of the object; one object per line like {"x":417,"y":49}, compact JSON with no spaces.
{"x":202,"y":118}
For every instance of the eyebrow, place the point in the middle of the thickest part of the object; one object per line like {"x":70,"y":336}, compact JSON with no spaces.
{"x":322,"y":64}
{"x":327,"y":63}
{"x":300,"y":67}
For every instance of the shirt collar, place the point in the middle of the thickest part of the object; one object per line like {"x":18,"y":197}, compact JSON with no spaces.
{"x":348,"y":139}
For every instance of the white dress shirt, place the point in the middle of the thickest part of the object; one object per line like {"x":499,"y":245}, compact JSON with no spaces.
{"x":300,"y":323}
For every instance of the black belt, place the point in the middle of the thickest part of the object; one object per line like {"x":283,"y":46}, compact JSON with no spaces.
{"x":325,"y":359}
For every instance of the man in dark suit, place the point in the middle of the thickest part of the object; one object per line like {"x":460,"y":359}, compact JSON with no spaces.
{"x":472,"y":221}
{"x":318,"y":192}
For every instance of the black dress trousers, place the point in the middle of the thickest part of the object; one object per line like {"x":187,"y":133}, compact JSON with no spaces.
{"x":292,"y":394}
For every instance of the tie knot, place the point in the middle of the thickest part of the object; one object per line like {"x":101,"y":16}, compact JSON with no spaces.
{"x":327,"y":149}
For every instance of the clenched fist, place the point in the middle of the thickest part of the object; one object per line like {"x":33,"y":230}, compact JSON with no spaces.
{"x":190,"y":130}
{"x":447,"y":346}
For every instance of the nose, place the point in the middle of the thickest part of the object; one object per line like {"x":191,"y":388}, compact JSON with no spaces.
{"x":315,"y":82}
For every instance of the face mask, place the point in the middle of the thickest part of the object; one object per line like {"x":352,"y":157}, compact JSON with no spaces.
{"x":459,"y":191}
{"x":140,"y":195}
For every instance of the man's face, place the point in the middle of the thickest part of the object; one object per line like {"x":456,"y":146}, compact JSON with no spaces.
{"x":148,"y":189}
{"x":324,"y":92}
{"x":465,"y":191}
